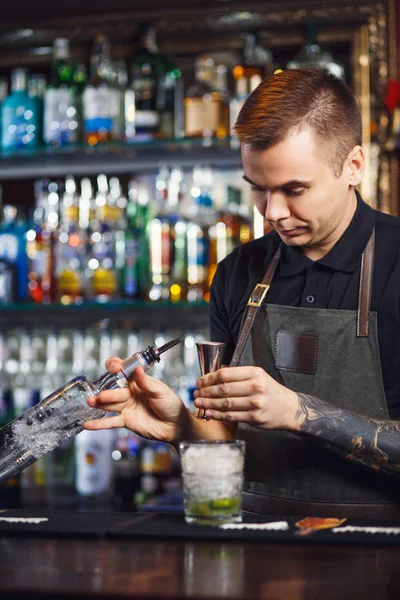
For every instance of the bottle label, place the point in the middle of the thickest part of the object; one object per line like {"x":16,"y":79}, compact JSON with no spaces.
{"x":60,"y":117}
{"x":93,"y":461}
{"x":8,"y":247}
{"x":130,"y":284}
{"x":40,"y":263}
{"x":130,"y":114}
{"x":147,"y":119}
{"x":69,"y":283}
{"x":202,"y":117}
{"x":97,"y":109}
{"x":19,"y":127}
{"x":117,"y":115}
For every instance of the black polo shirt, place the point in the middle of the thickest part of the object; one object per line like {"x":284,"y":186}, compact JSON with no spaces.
{"x":331,"y":282}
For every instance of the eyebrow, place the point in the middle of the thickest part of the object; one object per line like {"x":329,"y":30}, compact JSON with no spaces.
{"x":291,"y":183}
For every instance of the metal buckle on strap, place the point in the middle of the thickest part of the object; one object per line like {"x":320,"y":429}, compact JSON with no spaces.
{"x":258,"y":294}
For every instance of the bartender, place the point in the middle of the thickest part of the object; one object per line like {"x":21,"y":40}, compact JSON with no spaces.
{"x":310,"y":315}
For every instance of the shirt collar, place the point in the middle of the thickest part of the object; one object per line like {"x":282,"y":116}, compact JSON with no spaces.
{"x":345,"y":254}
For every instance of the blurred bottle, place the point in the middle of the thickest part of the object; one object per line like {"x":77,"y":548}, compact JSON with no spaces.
{"x":126,"y":470}
{"x":94,"y":468}
{"x":256,"y":64}
{"x":70,"y":247}
{"x":147,"y":69}
{"x":170,"y":100}
{"x":127,"y":246}
{"x":3,"y":95}
{"x":311,"y":55}
{"x":39,"y":248}
{"x":206,"y":106}
{"x":102,"y":261}
{"x":13,"y":252}
{"x":98,"y":96}
{"x":36,"y":90}
{"x":19,"y":116}
{"x":61,"y":100}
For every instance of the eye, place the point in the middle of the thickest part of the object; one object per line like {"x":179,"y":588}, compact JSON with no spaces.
{"x":291,"y":193}
{"x":254,"y":188}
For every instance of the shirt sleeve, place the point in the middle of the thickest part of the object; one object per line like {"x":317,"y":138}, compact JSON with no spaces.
{"x":220,"y":330}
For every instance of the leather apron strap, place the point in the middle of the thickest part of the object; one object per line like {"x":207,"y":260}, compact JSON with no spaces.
{"x":258,"y":294}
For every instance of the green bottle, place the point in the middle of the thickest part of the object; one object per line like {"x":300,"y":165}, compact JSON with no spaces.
{"x":61,"y":100}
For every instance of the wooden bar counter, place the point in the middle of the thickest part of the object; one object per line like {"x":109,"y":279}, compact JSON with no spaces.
{"x":51,"y":567}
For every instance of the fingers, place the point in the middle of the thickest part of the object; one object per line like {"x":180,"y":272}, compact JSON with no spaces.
{"x":105,"y":423}
{"x":227,"y":375}
{"x":150,"y":386}
{"x":224,"y":404}
{"x":232,"y":417}
{"x":113,"y":364}
{"x":109,"y":397}
{"x":221,"y":390}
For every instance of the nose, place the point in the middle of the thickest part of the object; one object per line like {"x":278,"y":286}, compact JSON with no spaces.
{"x":276,"y":207}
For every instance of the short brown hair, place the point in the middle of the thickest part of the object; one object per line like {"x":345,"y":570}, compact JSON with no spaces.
{"x":302,"y":99}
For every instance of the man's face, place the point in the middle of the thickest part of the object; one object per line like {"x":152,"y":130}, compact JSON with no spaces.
{"x":296,"y":191}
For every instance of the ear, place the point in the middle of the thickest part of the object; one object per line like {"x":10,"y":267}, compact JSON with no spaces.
{"x":355,"y":165}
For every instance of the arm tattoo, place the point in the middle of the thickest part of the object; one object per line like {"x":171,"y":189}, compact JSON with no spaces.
{"x":373,"y":443}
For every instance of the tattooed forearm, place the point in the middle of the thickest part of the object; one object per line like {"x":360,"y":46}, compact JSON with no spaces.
{"x":372,"y":443}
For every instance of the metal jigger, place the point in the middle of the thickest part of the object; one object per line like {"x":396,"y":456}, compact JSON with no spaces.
{"x":210,"y":354}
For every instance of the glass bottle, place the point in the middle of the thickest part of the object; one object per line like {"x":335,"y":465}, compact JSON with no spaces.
{"x":60,"y":416}
{"x":97,"y":96}
{"x":147,"y":69}
{"x":36,"y":90}
{"x":13,"y":249}
{"x":206,"y":107}
{"x":311,"y":56}
{"x":126,"y":247}
{"x":19,"y":118}
{"x":70,"y":247}
{"x":61,"y":114}
{"x":256,"y":64}
{"x":170,"y":100}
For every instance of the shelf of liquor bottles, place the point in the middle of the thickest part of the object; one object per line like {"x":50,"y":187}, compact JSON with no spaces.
{"x":119,"y":158}
{"x":135,"y":315}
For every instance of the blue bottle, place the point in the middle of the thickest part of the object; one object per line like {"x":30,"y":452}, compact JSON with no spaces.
{"x":13,"y":248}
{"x":19,"y":118}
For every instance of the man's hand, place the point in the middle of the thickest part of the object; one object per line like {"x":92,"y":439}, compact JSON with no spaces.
{"x":247,"y":395}
{"x":147,"y":406}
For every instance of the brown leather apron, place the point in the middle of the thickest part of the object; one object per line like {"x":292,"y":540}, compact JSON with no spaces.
{"x":331,"y":354}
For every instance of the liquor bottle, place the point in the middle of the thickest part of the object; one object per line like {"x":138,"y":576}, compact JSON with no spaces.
{"x":170,"y":100}
{"x":126,"y":470}
{"x":256,"y":64}
{"x":19,"y":119}
{"x":118,"y":79}
{"x":146,"y":70}
{"x":3,"y":95}
{"x":102,"y":261}
{"x":36,"y":90}
{"x":127,"y":247}
{"x":60,"y":416}
{"x":206,"y":107}
{"x":311,"y":55}
{"x":97,"y":96}
{"x":94,"y":467}
{"x":178,"y":230}
{"x":39,"y":249}
{"x":13,"y":250}
{"x":160,"y":241}
{"x":61,"y":111}
{"x":198,"y":236}
{"x":128,"y":110}
{"x":70,"y":247}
